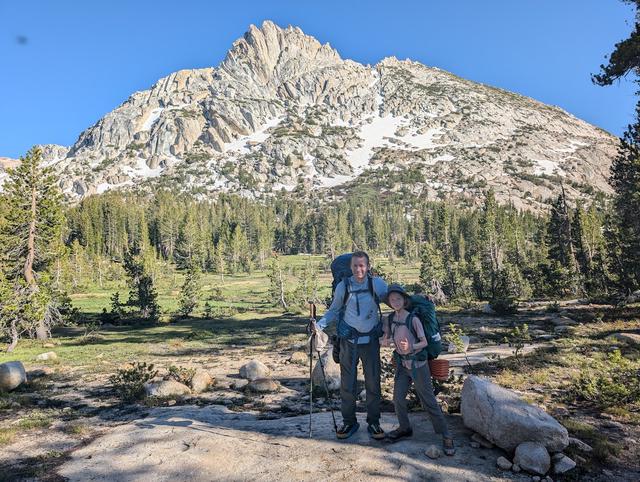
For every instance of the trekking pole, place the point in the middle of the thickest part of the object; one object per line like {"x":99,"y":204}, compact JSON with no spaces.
{"x":324,"y":376}
{"x":310,"y":370}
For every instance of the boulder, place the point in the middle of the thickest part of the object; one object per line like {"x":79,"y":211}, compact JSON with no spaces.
{"x":239,"y":384}
{"x":12,"y":375}
{"x":515,"y":468}
{"x":253,"y":370}
{"x":50,"y":355}
{"x":201,"y":381}
{"x":501,"y":417}
{"x":580,"y":445}
{"x":299,"y":358}
{"x":166,"y":388}
{"x":532,"y":457}
{"x":433,"y":452}
{"x":263,"y":385}
{"x":331,"y":372}
{"x":562,"y":464}
{"x":503,"y":463}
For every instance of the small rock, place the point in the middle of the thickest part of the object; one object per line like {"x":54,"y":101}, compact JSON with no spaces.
{"x":263,"y":385}
{"x":613,"y":424}
{"x":563,"y":464}
{"x":629,"y":338}
{"x":48,"y":345}
{"x":515,"y":468}
{"x":560,"y":412}
{"x":580,"y":445}
{"x":487,"y":310}
{"x":254,"y":370}
{"x":580,"y":460}
{"x":239,"y":384}
{"x":363,"y":395}
{"x":569,"y":330}
{"x":608,"y":473}
{"x":476,"y":437}
{"x":535,"y":478}
{"x":166,"y":388}
{"x":532,"y":457}
{"x":12,"y":375}
{"x":433,"y":452}
{"x":50,"y":355}
{"x":503,"y":463}
{"x":201,"y":381}
{"x":475,"y":445}
{"x":171,"y":403}
{"x":299,"y":358}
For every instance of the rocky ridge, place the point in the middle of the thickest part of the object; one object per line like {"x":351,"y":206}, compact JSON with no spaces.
{"x":285,"y":111}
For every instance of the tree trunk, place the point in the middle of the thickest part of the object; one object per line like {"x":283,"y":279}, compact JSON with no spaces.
{"x":41,"y":330}
{"x":14,"y":336}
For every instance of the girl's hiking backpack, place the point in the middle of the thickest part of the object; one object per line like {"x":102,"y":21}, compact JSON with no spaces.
{"x":425,"y":310}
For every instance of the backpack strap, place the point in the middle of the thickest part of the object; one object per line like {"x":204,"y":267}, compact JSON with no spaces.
{"x":409,"y":323}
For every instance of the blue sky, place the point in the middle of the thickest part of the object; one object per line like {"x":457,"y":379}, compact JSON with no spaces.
{"x":65,"y":64}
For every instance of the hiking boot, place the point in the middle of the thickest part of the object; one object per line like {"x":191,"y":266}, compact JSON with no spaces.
{"x":399,"y":433}
{"x":347,"y":430}
{"x":376,"y":431}
{"x":448,"y":446}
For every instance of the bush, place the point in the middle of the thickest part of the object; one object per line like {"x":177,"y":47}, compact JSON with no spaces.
{"x":129,"y":382}
{"x":181,"y":374}
{"x":517,"y":338}
{"x":504,"y":306}
{"x":611,"y":383}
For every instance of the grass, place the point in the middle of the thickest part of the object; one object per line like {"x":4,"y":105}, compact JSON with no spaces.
{"x":603,"y":448}
{"x":36,"y":419}
{"x":7,"y":436}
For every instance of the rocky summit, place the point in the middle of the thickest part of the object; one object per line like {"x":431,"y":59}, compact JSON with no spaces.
{"x":285,"y":111}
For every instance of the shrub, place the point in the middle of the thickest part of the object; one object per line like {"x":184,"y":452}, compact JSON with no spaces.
{"x":504,"y":306}
{"x":129,"y":382}
{"x":517,"y":338}
{"x":182,"y":374}
{"x":611,"y":383}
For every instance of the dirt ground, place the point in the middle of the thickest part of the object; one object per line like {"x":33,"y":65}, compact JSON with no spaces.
{"x":78,"y":430}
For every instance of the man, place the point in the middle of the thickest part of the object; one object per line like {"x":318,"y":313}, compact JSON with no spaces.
{"x":355,"y":307}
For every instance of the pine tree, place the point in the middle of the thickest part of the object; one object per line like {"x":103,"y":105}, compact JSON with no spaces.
{"x":190,"y":291}
{"x":31,"y":239}
{"x":433,"y":273}
{"x":624,"y":227}
{"x":142,"y":293}
{"x":561,"y":247}
{"x":277,"y":286}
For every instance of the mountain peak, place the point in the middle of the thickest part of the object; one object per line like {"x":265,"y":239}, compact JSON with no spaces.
{"x":271,"y":54}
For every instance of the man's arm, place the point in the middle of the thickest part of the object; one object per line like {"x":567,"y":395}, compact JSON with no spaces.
{"x":380,"y":287}
{"x":336,"y":305}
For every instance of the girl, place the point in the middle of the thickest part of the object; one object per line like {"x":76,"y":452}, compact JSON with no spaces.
{"x":408,"y":343}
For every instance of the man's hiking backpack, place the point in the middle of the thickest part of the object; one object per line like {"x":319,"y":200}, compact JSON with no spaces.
{"x":425,"y":310}
{"x":341,"y":271}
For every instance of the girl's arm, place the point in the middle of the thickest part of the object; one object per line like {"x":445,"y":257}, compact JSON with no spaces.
{"x":384,"y":340}
{"x":422,"y":338}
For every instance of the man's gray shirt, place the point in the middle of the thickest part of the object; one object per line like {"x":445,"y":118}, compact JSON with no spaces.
{"x":361,"y":311}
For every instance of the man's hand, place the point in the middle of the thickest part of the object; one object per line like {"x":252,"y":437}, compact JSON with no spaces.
{"x":313,"y":327}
